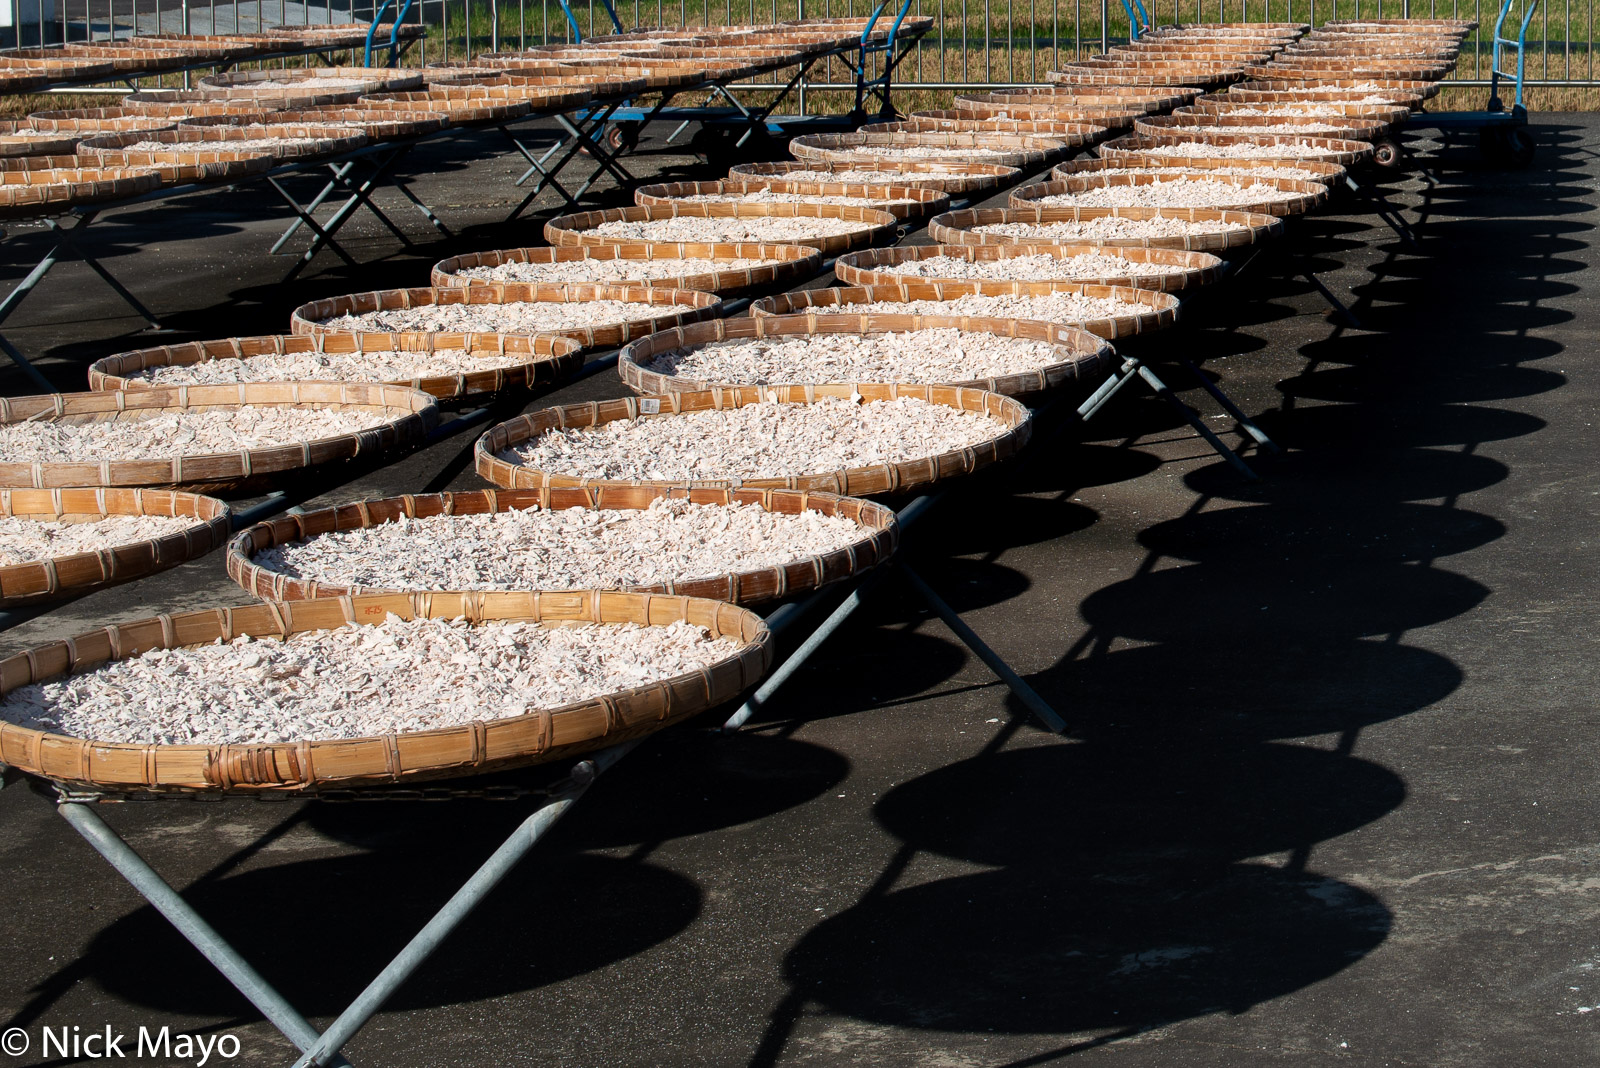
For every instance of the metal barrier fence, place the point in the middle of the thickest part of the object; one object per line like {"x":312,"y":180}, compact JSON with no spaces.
{"x":973,"y":42}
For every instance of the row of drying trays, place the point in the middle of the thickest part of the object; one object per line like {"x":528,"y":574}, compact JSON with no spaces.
{"x":238,"y":125}
{"x":941,"y":292}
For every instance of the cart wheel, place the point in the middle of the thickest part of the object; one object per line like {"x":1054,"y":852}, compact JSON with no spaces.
{"x":1387,"y":153}
{"x":1520,"y":146}
{"x":624,"y":135}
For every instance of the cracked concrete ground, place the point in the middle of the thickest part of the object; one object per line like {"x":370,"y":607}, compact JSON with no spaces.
{"x":1326,"y":793}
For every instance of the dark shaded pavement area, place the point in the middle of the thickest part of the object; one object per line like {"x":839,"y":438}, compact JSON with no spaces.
{"x":1327,"y":793}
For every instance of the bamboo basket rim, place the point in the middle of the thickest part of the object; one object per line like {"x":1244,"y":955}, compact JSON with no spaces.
{"x":1344,"y":129}
{"x":273,"y":81}
{"x":43,"y":192}
{"x":1410,"y":99}
{"x":1085,"y":353}
{"x":912,"y":200}
{"x":1428,"y":89}
{"x":178,"y":167}
{"x":88,"y":121}
{"x":69,"y":574}
{"x":378,"y":124}
{"x":1026,"y":152}
{"x":305,"y":766}
{"x":300,"y":140}
{"x":1162,"y":308}
{"x":962,"y":177}
{"x":956,"y":227}
{"x":1346,"y":71}
{"x":791,"y":262}
{"x":1310,"y":194}
{"x":875,"y":266}
{"x":866,"y":481}
{"x":412,"y":414}
{"x":309,"y":318}
{"x":1388,"y":114}
{"x":569,"y":230}
{"x":550,"y":357}
{"x":1074,"y":133}
{"x":1107,"y":76}
{"x":1326,"y":173}
{"x":1327,"y":149}
{"x":878,"y":541}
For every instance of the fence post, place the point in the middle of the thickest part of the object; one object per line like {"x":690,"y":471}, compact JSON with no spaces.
{"x":494,"y":25}
{"x":1105,"y":16}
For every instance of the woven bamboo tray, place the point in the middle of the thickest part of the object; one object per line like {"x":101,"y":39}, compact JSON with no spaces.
{"x":308,"y":318}
{"x":1407,"y":25}
{"x":1349,"y":129}
{"x":378,"y":124}
{"x":1042,"y":102}
{"x":877,"y":267}
{"x":187,"y":112}
{"x":794,"y":263}
{"x":72,"y":574}
{"x":85,"y":121}
{"x":550,"y":358}
{"x":52,"y":66}
{"x":19,"y":140}
{"x":874,"y":481}
{"x":17,"y":80}
{"x":957,"y":227}
{"x":1308,"y":195}
{"x":1426,"y":49}
{"x":1073,"y":134}
{"x":192,"y":157}
{"x":543,"y":92}
{"x":1310,"y":71}
{"x":903,"y":202}
{"x":1315,"y":146}
{"x":199,"y":46}
{"x":1160,"y":309}
{"x":606,"y":78}
{"x":1083,"y":355}
{"x":300,"y":141}
{"x":879,"y":536}
{"x":125,"y":59}
{"x":278,"y":85}
{"x":1028,"y":153}
{"x":1325,"y":173}
{"x":876,"y":226}
{"x":1129,"y":72}
{"x":41,"y":192}
{"x":1242,"y":95}
{"x":1225,"y":104}
{"x":1198,"y":51}
{"x":957,"y":179}
{"x":412,"y":415}
{"x":462,"y":108}
{"x":304,"y":767}
{"x":912,"y":25}
{"x":1425,"y":90}
{"x":748,"y":59}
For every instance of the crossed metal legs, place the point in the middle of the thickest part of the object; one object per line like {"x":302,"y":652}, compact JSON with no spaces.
{"x":321,"y":1050}
{"x":66,"y":245}
{"x":358,"y":194}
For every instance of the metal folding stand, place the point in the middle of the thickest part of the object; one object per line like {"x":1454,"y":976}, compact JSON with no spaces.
{"x":580,"y":129}
{"x":789,"y":614}
{"x":66,"y":246}
{"x":322,"y":1049}
{"x":382,"y":160}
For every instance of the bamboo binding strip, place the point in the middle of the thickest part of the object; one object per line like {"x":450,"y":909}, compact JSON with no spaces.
{"x":409,"y":416}
{"x":876,"y":225}
{"x":1311,"y":147}
{"x":1160,"y":309}
{"x":40,"y":192}
{"x":791,"y":263}
{"x":191,"y":157}
{"x":875,"y":267}
{"x":550,"y":358}
{"x":38,"y":581}
{"x":1322,"y":173}
{"x":957,"y":179}
{"x":901,"y":201}
{"x":1009,"y":150}
{"x":1083,"y":356}
{"x":1074,"y":134}
{"x":872,"y":481}
{"x":1308,"y":195}
{"x":879,"y":536}
{"x":958,"y":227}
{"x":310,"y":318}
{"x":307,"y":766}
